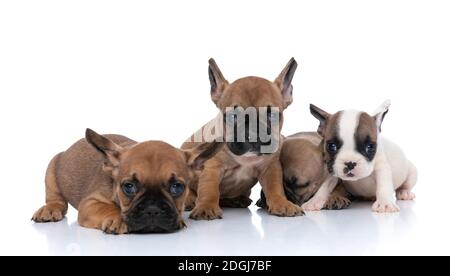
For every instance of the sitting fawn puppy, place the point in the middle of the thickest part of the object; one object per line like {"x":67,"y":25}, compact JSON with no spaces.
{"x":121,"y":186}
{"x":369,"y":165}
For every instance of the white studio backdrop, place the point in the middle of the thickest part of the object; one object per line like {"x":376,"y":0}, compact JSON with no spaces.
{"x":139,"y":68}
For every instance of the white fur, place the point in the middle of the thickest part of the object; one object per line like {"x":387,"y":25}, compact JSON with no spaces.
{"x":389,"y":172}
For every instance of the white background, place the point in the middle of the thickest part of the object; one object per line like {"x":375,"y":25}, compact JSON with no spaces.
{"x":139,"y":68}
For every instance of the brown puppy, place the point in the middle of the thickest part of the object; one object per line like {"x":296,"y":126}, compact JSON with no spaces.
{"x":121,"y":186}
{"x":227,"y":179}
{"x":304,"y":172}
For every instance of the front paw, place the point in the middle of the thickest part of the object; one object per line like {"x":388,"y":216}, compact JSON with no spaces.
{"x":314,"y":204}
{"x":405,"y":195}
{"x":285,"y":208}
{"x":385,"y":206}
{"x":51,"y":212}
{"x":114,"y":225}
{"x":206,"y":213}
{"x":337,"y":203}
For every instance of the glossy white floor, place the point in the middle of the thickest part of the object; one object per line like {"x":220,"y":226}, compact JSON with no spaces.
{"x":418,"y":229}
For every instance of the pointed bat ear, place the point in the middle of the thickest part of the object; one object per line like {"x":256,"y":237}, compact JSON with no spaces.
{"x":320,"y":115}
{"x":380,"y":113}
{"x":197,"y":156}
{"x":110,"y":150}
{"x":284,"y":81}
{"x":217,"y":81}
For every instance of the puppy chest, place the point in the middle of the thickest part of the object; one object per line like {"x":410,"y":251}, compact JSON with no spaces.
{"x":366,"y":187}
{"x":239,"y":179}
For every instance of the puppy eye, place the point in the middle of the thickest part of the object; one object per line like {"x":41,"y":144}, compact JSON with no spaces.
{"x":129,"y":188}
{"x":332,"y":147}
{"x":371,"y":148}
{"x":176,"y":189}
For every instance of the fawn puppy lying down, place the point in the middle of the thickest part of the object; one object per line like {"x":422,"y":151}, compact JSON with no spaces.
{"x":121,"y":186}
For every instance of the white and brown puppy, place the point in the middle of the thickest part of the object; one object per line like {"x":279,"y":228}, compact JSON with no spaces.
{"x":369,"y":165}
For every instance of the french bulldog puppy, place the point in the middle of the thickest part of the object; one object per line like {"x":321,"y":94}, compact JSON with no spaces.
{"x":121,"y":186}
{"x":369,"y":165}
{"x":248,"y":157}
{"x":305,"y":176}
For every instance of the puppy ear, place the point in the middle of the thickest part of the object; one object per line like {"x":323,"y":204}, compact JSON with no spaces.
{"x":108,"y":148}
{"x":320,"y":115}
{"x":380,"y":113}
{"x":217,"y":80}
{"x":197,"y":156}
{"x":284,"y":80}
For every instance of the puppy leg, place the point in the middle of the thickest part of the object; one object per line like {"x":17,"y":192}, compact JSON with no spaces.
{"x":101,"y":213}
{"x":208,"y":194}
{"x":338,"y":199}
{"x":242,"y":201}
{"x":385,"y":202}
{"x":320,"y":198}
{"x":190,"y":200}
{"x":56,"y":206}
{"x":404,"y":192}
{"x":272,"y":186}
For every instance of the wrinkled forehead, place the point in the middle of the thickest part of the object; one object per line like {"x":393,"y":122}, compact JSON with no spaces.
{"x":251,"y":92}
{"x":153,"y":164}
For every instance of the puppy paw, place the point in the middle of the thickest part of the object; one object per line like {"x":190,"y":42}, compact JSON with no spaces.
{"x":238,"y":202}
{"x":385,"y":206}
{"x":405,"y":195}
{"x":51,"y":212}
{"x":314,"y":204}
{"x":114,"y":225}
{"x":285,"y":209}
{"x":206,"y":213}
{"x":337,"y":203}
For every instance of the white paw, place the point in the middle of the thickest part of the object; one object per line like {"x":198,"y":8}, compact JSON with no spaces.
{"x":405,"y":195}
{"x":385,"y":206}
{"x":314,"y":204}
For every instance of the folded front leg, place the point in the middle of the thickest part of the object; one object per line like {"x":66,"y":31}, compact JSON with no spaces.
{"x":100,"y":213}
{"x":208,"y":195}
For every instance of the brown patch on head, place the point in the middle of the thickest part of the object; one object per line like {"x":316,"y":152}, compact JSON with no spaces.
{"x":366,"y":136}
{"x":331,"y":136}
{"x":329,"y":130}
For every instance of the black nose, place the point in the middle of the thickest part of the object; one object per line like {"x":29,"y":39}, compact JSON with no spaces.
{"x":153,"y":211}
{"x":350,"y":165}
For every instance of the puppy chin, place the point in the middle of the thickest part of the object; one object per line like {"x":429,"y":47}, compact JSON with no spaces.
{"x":144,"y":224}
{"x":249,"y":158}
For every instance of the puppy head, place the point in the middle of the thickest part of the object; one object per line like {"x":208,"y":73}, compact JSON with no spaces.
{"x":252,"y":109}
{"x":350,"y":140}
{"x":150,"y":180}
